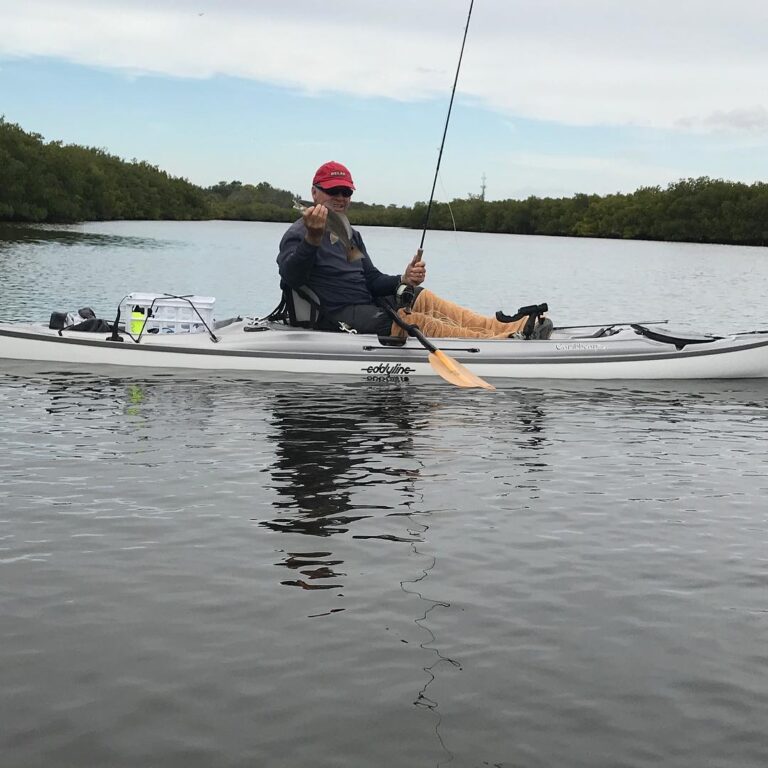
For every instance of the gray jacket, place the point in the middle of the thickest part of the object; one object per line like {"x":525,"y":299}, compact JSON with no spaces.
{"x":325,"y":269}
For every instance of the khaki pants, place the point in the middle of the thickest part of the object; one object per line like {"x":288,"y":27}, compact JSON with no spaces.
{"x":439,"y":318}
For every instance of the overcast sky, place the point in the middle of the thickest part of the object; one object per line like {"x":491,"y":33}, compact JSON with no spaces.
{"x":555,"y":96}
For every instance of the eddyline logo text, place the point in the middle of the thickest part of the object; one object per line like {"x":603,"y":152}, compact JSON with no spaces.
{"x":388,"y":372}
{"x":387,"y":369}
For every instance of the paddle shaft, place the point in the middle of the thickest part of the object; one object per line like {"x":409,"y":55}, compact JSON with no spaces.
{"x":411,"y":330}
{"x":445,"y":130}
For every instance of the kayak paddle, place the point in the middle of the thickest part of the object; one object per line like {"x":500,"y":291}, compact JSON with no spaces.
{"x":443,"y":364}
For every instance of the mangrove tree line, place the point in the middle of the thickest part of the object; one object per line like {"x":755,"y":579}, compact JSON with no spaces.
{"x":51,"y":182}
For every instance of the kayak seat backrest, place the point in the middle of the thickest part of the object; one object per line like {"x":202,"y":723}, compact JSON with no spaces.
{"x":303,"y":306}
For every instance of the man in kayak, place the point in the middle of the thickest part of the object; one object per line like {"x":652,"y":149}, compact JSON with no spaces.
{"x":316,"y":252}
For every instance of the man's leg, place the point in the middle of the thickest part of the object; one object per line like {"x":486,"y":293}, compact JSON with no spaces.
{"x":439,"y":318}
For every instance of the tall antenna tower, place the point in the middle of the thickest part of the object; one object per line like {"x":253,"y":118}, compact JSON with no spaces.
{"x":482,"y":188}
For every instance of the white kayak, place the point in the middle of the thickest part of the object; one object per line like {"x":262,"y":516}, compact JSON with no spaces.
{"x":612,"y":351}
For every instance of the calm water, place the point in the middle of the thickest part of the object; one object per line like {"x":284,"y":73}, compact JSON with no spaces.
{"x":226,"y":572}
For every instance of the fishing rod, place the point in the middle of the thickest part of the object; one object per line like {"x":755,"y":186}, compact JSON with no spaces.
{"x":445,"y":130}
{"x":444,"y":364}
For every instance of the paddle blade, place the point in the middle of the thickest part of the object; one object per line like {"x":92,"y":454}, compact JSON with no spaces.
{"x":454,"y":372}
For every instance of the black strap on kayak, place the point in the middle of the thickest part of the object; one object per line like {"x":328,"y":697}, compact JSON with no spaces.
{"x":115,"y":336}
{"x":280,"y":312}
{"x":669,"y":338}
{"x":533,"y":312}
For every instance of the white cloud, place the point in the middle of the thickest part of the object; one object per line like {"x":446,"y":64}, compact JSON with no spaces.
{"x":748,"y":119}
{"x":662,"y":64}
{"x":517,"y":175}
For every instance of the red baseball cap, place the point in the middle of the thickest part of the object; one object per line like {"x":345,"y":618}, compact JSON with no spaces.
{"x":333,"y":174}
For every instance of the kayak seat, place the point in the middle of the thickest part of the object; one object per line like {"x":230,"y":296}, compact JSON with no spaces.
{"x":304,"y":310}
{"x":302,"y":306}
{"x":656,"y":334}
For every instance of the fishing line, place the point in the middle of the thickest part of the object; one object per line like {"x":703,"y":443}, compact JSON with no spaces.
{"x":445,"y":129}
{"x":448,"y":203}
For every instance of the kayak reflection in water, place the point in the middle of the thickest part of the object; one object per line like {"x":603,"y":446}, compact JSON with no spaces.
{"x":330,"y":258}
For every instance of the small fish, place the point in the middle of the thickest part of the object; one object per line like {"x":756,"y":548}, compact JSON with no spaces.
{"x":340,"y":229}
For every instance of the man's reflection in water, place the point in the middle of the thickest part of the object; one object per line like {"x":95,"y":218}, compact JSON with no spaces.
{"x":332,"y":454}
{"x":340,"y":455}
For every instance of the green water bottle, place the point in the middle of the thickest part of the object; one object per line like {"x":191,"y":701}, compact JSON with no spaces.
{"x":137,"y":320}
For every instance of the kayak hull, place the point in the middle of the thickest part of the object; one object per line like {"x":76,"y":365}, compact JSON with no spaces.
{"x":621,"y":353}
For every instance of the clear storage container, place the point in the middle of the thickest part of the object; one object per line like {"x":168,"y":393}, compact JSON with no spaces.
{"x":160,"y":313}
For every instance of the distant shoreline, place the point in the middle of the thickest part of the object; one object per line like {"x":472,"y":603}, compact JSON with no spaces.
{"x":48,"y":182}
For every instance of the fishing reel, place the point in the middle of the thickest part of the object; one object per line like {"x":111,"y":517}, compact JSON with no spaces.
{"x":405,"y":296}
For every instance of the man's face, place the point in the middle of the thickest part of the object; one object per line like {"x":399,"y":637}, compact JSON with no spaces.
{"x":336,"y":198}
